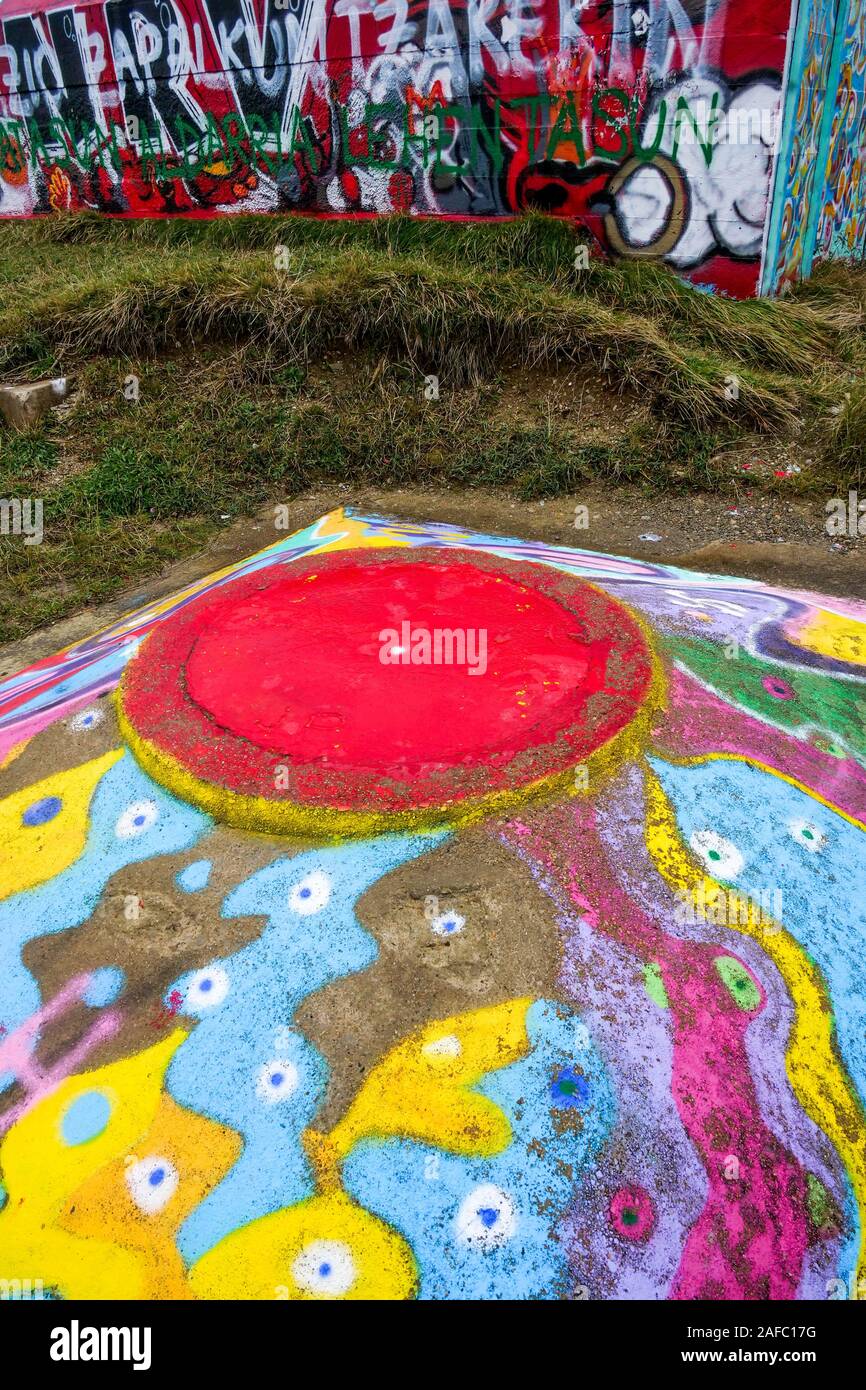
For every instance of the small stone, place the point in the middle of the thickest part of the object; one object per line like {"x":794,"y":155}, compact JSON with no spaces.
{"x":22,"y":406}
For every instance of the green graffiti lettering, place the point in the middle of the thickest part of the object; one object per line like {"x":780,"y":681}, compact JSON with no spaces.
{"x":187,"y":136}
{"x":58,"y":128}
{"x":457,"y":114}
{"x":614,"y":123}
{"x":38,"y":149}
{"x":300,"y":142}
{"x":12,"y":147}
{"x":259,"y":134}
{"x":683,"y":113}
{"x":533,"y":106}
{"x":375,"y":111}
{"x":490,"y":139}
{"x":234,"y":133}
{"x":647,"y":152}
{"x":213,"y":150}
{"x":152,"y":155}
{"x":107,"y":143}
{"x":413,"y":117}
{"x":566,"y":131}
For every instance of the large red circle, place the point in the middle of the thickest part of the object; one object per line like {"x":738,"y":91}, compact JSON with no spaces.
{"x":330,"y":670}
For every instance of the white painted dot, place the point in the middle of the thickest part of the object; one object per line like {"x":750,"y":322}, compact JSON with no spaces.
{"x":719,"y":856}
{"x":86,"y":719}
{"x":325,"y":1268}
{"x":487,"y":1217}
{"x":136,"y":819}
{"x":449,"y":1046}
{"x":807,"y":834}
{"x":206,"y":989}
{"x":277,"y":1080}
{"x":152,"y":1182}
{"x":448,"y":924}
{"x":311,"y":894}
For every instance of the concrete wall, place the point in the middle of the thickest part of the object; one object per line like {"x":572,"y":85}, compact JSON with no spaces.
{"x":651,"y":121}
{"x":818,"y":203}
{"x":841,"y":227}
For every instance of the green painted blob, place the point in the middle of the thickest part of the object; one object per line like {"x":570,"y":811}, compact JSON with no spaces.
{"x":738,"y":982}
{"x":834,"y":707}
{"x":826,"y":745}
{"x":654,"y":985}
{"x":820,"y":1205}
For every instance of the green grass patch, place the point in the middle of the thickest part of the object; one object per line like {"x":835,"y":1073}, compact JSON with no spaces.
{"x":257,"y":383}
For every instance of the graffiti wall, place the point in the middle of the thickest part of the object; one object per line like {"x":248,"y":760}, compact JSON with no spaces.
{"x":842,"y":221}
{"x":344,"y":954}
{"x":818,"y":198}
{"x":789,"y":245}
{"x":650,"y":121}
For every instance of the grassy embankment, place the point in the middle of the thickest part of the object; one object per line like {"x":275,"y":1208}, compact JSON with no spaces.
{"x":256,"y":383}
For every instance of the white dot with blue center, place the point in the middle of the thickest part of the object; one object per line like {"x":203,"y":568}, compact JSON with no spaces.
{"x":487,"y":1217}
{"x":325,"y":1269}
{"x":152,"y":1183}
{"x":276,"y":1080}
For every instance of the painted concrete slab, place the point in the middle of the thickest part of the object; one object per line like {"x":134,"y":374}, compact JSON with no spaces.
{"x":410,"y":912}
